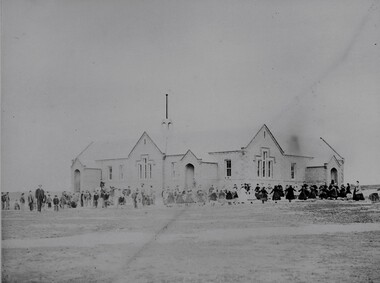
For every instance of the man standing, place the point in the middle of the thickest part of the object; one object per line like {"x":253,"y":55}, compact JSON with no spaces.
{"x":135,"y":198}
{"x":22,"y":202}
{"x":40,"y":195}
{"x":8,"y":201}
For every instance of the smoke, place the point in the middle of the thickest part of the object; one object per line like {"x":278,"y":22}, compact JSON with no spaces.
{"x":294,"y":145}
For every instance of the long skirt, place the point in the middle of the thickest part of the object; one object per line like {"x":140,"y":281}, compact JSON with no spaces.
{"x":312,"y":195}
{"x":302,"y":196}
{"x":276,"y":196}
{"x":257,"y":195}
{"x":213,"y":197}
{"x":358,"y":196}
{"x":189,"y":199}
{"x":201,"y":198}
{"x":323,"y":195}
{"x":170,"y":199}
{"x":263,"y":197}
{"x":290,"y":195}
{"x":180,"y":199}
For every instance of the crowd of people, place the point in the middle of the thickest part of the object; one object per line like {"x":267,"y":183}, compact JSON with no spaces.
{"x":246,"y":194}
{"x":103,"y":197}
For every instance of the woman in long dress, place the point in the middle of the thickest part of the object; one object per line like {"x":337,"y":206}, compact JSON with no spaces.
{"x":257,"y":191}
{"x":289,"y":193}
{"x":313,"y":192}
{"x":189,"y":197}
{"x":263,"y":195}
{"x":213,"y":197}
{"x":303,"y":195}
{"x":229,"y":197}
{"x":323,"y":192}
{"x":222,"y":197}
{"x":170,"y":199}
{"x":180,"y":198}
{"x":276,"y":194}
{"x":201,"y":200}
{"x":243,"y":197}
{"x":358,"y":193}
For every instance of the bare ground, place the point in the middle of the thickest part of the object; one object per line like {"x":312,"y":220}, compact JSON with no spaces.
{"x":321,"y":241}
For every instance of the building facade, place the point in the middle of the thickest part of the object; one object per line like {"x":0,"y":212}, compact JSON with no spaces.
{"x":262,"y":161}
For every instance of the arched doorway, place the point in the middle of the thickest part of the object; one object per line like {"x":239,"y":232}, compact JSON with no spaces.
{"x":334,"y":175}
{"x":189,"y":176}
{"x":77,"y":181}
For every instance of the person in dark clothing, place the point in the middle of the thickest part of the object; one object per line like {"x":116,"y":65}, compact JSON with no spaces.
{"x":40,"y":195}
{"x":96,"y":197}
{"x":56,"y":203}
{"x":31,"y":201}
{"x":276,"y":194}
{"x":106,"y":199}
{"x":348,"y":189}
{"x":303,"y":194}
{"x":81,"y":199}
{"x":281,"y":190}
{"x":263,"y":195}
{"x":257,"y":191}
{"x":342,"y":192}
{"x":289,"y":193}
{"x":323,"y":192}
{"x":229,"y":197}
{"x":313,"y":192}
{"x":333,"y":191}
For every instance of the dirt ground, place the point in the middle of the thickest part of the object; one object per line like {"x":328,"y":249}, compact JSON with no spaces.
{"x":311,"y":241}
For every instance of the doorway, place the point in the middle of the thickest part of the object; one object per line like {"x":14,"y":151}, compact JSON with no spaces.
{"x":334,"y":175}
{"x":77,"y":181}
{"x":189,"y":176}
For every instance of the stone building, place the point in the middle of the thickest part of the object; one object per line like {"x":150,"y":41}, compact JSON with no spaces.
{"x":261,"y":161}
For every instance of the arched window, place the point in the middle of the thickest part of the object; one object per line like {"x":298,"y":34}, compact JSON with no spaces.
{"x":265,"y":164}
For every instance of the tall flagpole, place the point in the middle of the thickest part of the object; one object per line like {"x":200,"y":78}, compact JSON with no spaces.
{"x":166,"y":123}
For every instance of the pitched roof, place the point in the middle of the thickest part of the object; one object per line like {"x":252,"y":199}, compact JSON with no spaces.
{"x":202,"y":142}
{"x":101,"y":150}
{"x":270,"y":133}
{"x":144,"y":134}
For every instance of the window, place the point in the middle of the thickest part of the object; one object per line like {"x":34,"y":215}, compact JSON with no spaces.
{"x":145,"y":167}
{"x":265,"y":164}
{"x":140,"y":171}
{"x":121,"y":172}
{"x":269,"y":168}
{"x":292,"y":170}
{"x":263,"y":168}
{"x":265,"y":153}
{"x":145,"y":161}
{"x":109,"y":172}
{"x":228,"y":168}
{"x":258,"y":168}
{"x":173,"y":169}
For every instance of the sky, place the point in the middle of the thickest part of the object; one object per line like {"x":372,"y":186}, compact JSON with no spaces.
{"x":73,"y":72}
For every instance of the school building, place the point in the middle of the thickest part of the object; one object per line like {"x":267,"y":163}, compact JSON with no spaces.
{"x":260,"y":160}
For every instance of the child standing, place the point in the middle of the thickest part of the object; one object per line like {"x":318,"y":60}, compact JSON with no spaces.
{"x":56,"y":202}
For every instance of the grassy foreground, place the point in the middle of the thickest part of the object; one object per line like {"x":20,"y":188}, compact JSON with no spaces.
{"x":320,"y":241}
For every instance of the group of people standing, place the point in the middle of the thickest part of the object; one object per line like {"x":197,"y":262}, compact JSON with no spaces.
{"x":245,"y":194}
{"x":35,"y":201}
{"x":103,"y":197}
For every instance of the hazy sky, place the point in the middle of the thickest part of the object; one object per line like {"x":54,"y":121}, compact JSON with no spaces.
{"x":78,"y":71}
